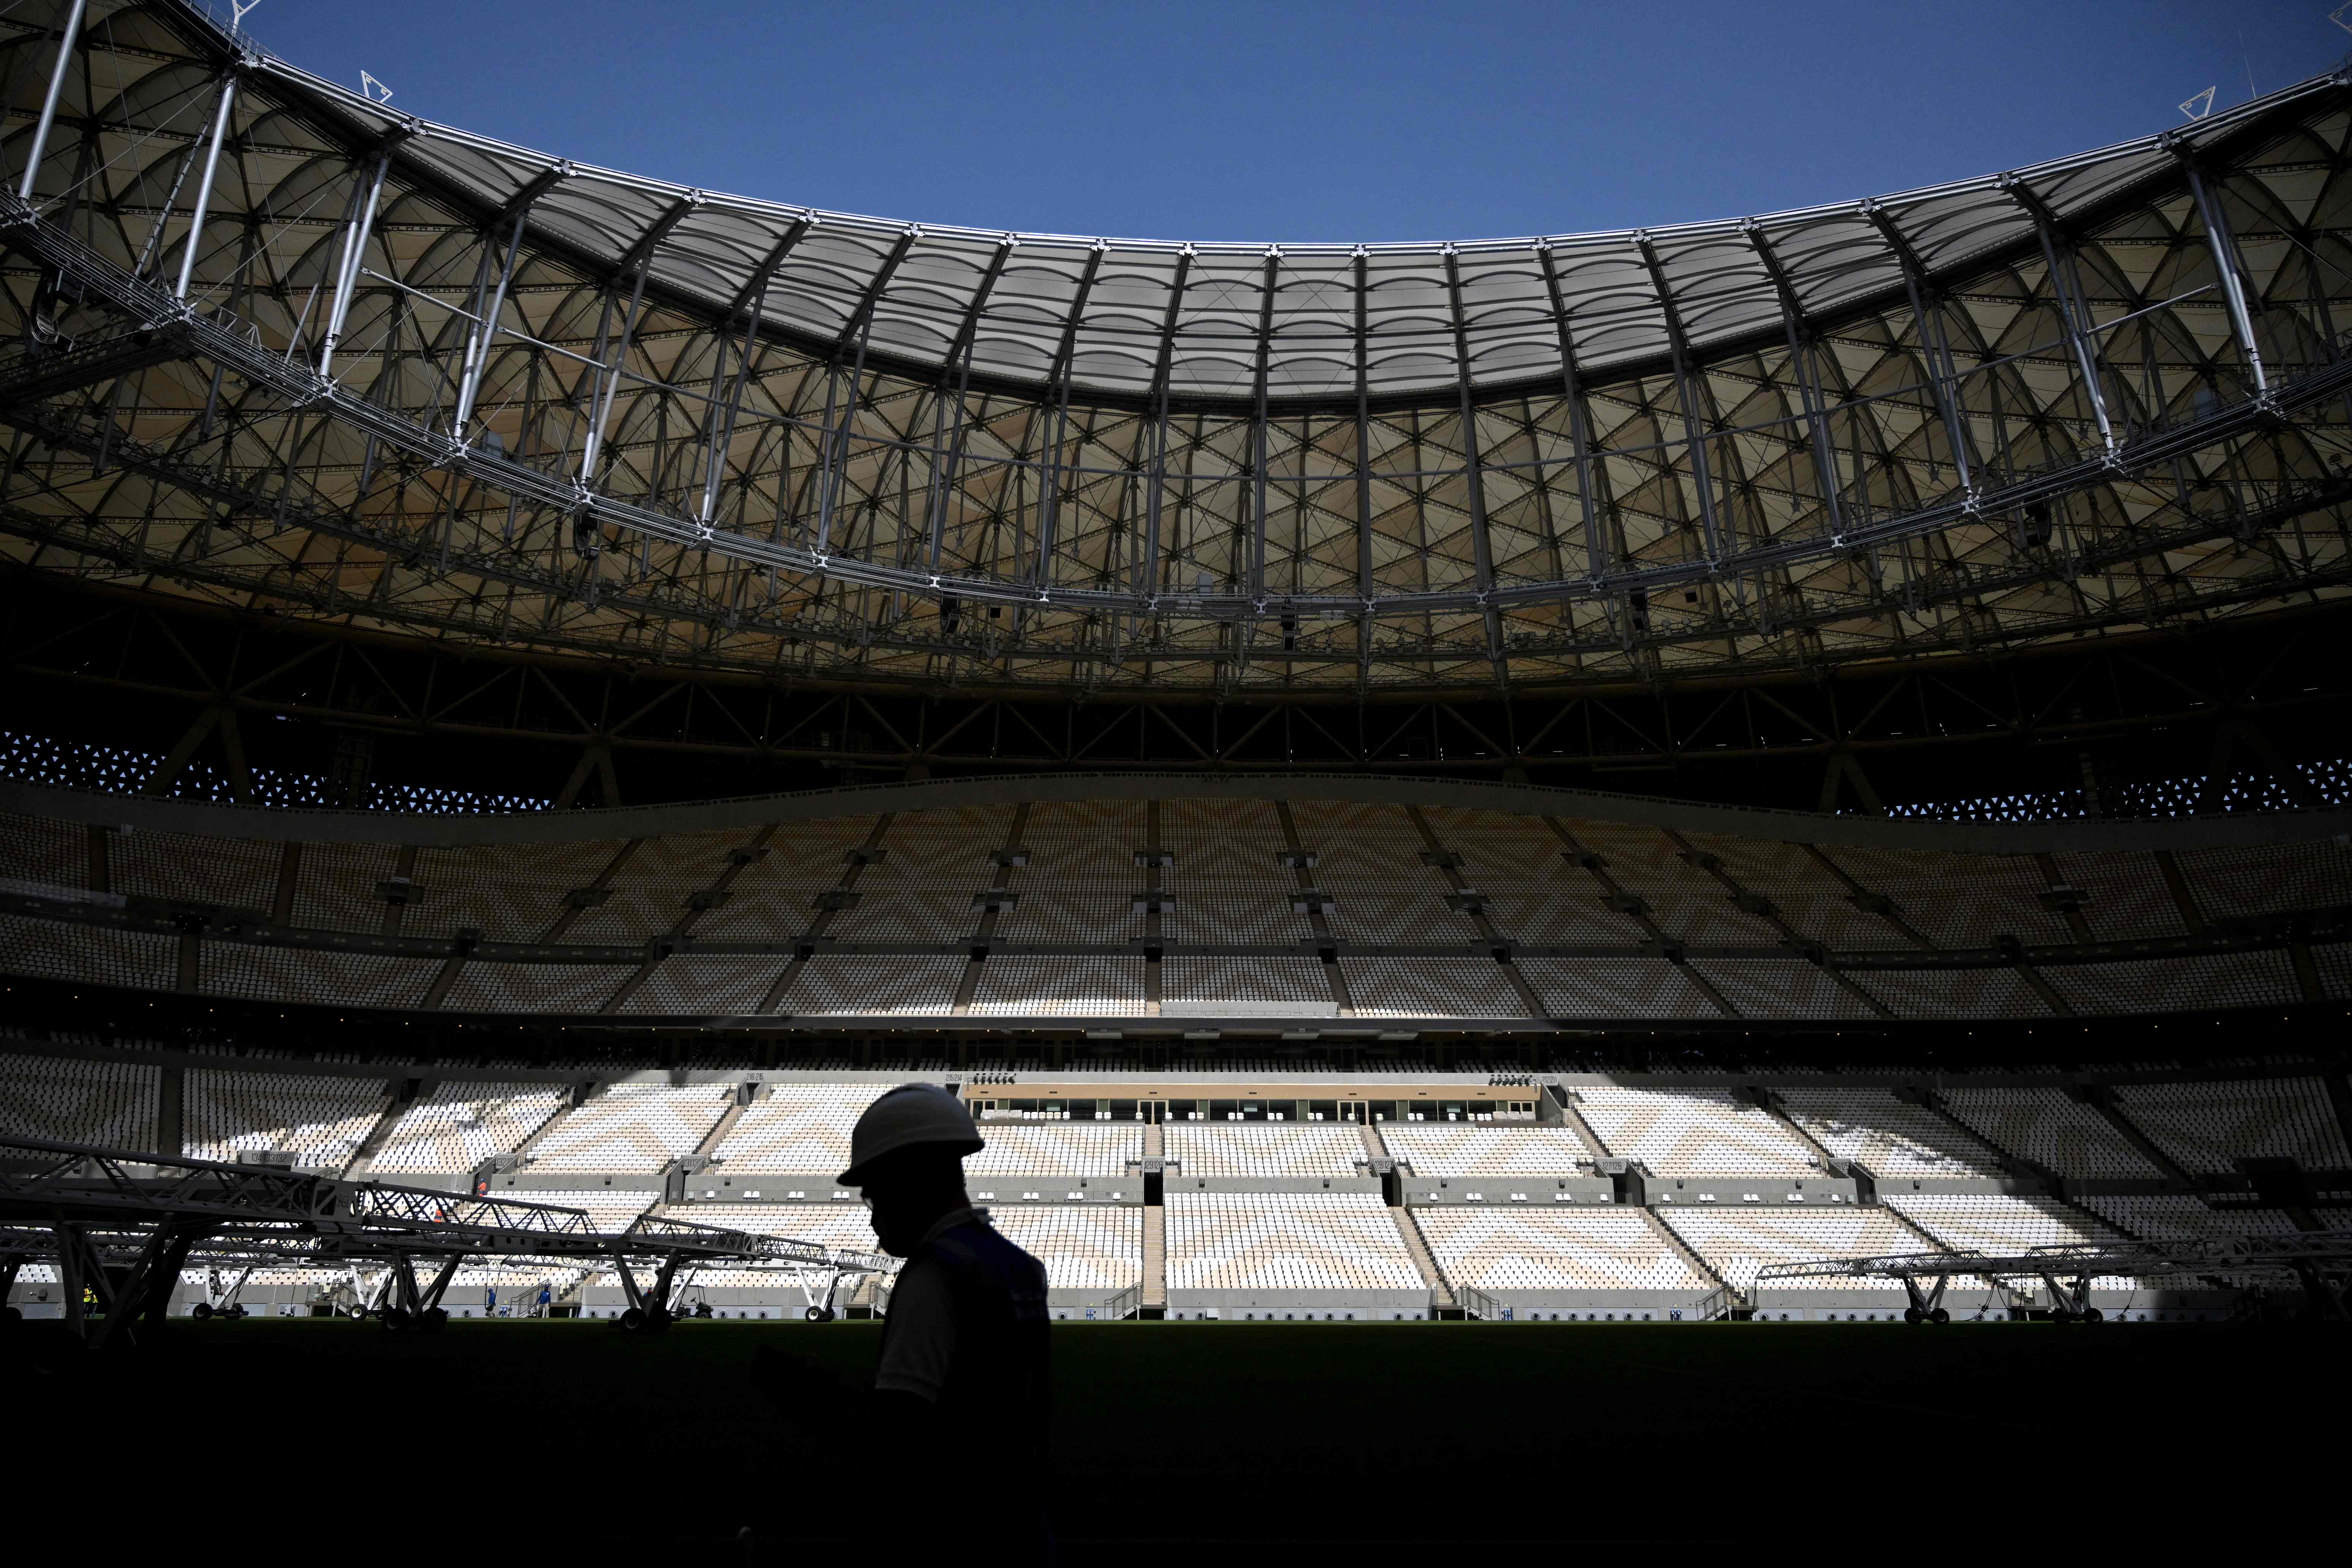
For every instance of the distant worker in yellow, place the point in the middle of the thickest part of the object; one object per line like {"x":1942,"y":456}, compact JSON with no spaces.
{"x":964,"y":1364}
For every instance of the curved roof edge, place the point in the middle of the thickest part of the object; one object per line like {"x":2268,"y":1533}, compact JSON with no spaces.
{"x":1194,"y":323}
{"x":2214,"y":126}
{"x":280,"y":824}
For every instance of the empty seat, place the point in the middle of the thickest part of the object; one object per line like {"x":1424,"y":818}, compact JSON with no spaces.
{"x":2207,"y":1128}
{"x":632,"y":1127}
{"x":1082,"y":1249}
{"x":1890,"y":1137}
{"x":1739,"y":1243}
{"x":1260,"y":1148}
{"x":1694,"y":1132}
{"x":1999,"y":1225}
{"x":75,"y":1100}
{"x":797,"y":1127}
{"x":2050,"y":1129}
{"x":1546,"y":1249}
{"x":1285,"y":1241}
{"x":320,"y":1121}
{"x":1473,"y":1150}
{"x":1074,"y":1149}
{"x":459,"y":1125}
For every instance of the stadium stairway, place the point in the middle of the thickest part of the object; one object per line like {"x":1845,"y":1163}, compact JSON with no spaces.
{"x":2017,"y":1164}
{"x":1724,"y":1289}
{"x":1154,"y":1299}
{"x":1439,"y":1291}
{"x":569,"y":1287}
{"x":400,"y":1095}
{"x":726,"y":1123}
{"x":1155,"y":1258}
{"x":580,"y":1095}
{"x":1572,"y":1118}
{"x":2102,"y":1100}
{"x":1903,"y":1221}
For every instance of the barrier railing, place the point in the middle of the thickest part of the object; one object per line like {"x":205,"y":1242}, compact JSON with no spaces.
{"x":1111,"y":1309}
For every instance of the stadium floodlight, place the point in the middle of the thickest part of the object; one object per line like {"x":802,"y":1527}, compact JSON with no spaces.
{"x":2199,"y":107}
{"x":378,"y":93}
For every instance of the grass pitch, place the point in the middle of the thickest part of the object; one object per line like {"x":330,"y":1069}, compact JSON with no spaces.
{"x":1444,"y":1434}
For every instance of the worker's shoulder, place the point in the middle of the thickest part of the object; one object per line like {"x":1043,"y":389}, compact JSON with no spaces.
{"x":978,"y":1244}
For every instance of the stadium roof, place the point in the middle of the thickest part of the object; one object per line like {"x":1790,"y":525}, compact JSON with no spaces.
{"x":709,"y":432}
{"x":1209,"y":320}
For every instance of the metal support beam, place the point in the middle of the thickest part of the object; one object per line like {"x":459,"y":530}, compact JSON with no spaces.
{"x":1256,"y":575}
{"x":860,"y":325}
{"x":1934,"y":358}
{"x":1482,"y":556}
{"x":959,"y":354}
{"x":1363,"y":467}
{"x":1057,"y":387}
{"x":1800,"y":365}
{"x":204,"y":186}
{"x":355,"y":240}
{"x":481,"y":332}
{"x":1147,"y":571}
{"x":66,"y":38}
{"x":2072,"y":314}
{"x":754,"y":294}
{"x":609,"y":378}
{"x":2225,"y":246}
{"x":1687,"y":394}
{"x":1596,"y":549}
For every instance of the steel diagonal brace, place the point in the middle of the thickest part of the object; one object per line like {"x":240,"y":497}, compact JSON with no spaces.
{"x":1935,"y":353}
{"x":2226,"y":262}
{"x":2065,"y":289}
{"x":302,"y":387}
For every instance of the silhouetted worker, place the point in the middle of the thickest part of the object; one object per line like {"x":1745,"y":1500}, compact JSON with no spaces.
{"x":964,"y":1359}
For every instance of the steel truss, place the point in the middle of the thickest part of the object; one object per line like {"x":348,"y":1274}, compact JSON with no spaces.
{"x":2320,"y":1262}
{"x":1996,"y":727}
{"x":552,"y":407}
{"x":124,"y":1224}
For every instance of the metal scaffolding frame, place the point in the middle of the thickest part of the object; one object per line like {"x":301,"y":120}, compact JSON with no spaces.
{"x":558,"y":407}
{"x":2318,"y":1262}
{"x":123,"y":1223}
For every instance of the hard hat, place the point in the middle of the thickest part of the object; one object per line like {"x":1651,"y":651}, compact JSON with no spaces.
{"x":910,"y":1115}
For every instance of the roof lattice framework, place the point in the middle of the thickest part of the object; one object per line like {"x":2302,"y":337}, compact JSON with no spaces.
{"x":577,"y":411}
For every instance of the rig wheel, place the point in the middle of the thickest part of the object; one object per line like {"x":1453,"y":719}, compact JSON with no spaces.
{"x":1939,"y":1317}
{"x":396,"y":1320}
{"x":633,"y":1322}
{"x":433,"y":1319}
{"x":1913,"y":1315}
{"x":201,"y":1311}
{"x":2092,"y":1315}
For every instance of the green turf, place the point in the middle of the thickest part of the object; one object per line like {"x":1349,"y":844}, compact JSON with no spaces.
{"x":1437,"y":1433}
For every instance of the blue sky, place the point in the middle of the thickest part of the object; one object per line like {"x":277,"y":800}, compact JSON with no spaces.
{"x":1305,"y":121}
